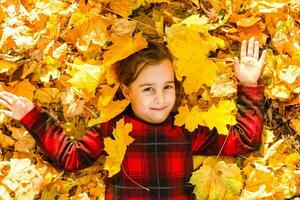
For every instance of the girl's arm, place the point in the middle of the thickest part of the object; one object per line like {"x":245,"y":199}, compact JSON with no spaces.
{"x":243,"y":137}
{"x":53,"y":140}
{"x":246,"y":134}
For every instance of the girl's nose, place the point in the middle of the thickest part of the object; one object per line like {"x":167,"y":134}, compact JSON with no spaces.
{"x":159,"y":97}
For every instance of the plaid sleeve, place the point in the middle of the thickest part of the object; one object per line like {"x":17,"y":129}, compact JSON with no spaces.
{"x":243,"y":137}
{"x":58,"y":147}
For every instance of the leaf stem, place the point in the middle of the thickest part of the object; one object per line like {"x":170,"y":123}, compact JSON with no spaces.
{"x":134,"y":181}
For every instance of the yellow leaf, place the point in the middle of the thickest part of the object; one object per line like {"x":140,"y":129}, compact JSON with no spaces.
{"x":280,"y":91}
{"x":200,"y":24}
{"x":50,"y":71}
{"x":191,"y":119}
{"x":110,"y":111}
{"x":60,"y":51}
{"x":270,"y":7}
{"x":23,"y":88}
{"x":190,"y":49}
{"x":198,"y":160}
{"x":259,"y":194}
{"x":125,"y":7}
{"x":158,"y":1}
{"x":47,"y":95}
{"x":86,"y":28}
{"x":107,"y":93}
{"x":6,"y":141}
{"x":223,"y":86}
{"x":273,"y":149}
{"x":295,"y":124}
{"x":260,"y":177}
{"x":85,"y":76}
{"x":123,"y":47}
{"x":215,"y":179}
{"x":290,"y":74}
{"x":267,"y":138}
{"x":24,"y":141}
{"x":219,"y":116}
{"x":5,"y":66}
{"x":196,"y":2}
{"x":249,"y":21}
{"x":116,"y":148}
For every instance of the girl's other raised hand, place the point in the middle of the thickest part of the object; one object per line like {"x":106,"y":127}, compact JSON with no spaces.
{"x":17,"y":106}
{"x":249,"y":68}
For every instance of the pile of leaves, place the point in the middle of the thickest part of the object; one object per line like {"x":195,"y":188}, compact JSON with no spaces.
{"x":60,"y":54}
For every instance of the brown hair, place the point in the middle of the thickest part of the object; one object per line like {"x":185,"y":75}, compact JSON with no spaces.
{"x":128,"y":69}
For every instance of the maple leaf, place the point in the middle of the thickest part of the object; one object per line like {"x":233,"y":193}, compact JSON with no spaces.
{"x":116,"y":148}
{"x":24,"y":141}
{"x":85,"y":76}
{"x":86,"y":28}
{"x":122,"y":47}
{"x":257,"y":177}
{"x":191,"y":119}
{"x":215,"y":179}
{"x":23,"y":88}
{"x":220,"y":116}
{"x":190,"y":49}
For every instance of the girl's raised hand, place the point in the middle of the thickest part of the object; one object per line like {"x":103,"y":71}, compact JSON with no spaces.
{"x":17,"y":107}
{"x":249,"y":68}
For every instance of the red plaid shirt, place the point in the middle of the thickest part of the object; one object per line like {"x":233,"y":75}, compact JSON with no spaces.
{"x":160,"y":158}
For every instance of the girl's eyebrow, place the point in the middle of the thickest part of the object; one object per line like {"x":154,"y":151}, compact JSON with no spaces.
{"x":151,"y":84}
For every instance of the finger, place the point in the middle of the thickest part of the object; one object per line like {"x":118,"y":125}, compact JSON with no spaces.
{"x":5,"y":104}
{"x":256,"y":50}
{"x":250,"y":47}
{"x":244,"y":49}
{"x":263,"y":57}
{"x":236,"y":65}
{"x":10,"y":95}
{"x":7,"y":98}
{"x":7,"y":113}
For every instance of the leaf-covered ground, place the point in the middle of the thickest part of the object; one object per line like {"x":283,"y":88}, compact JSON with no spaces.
{"x":59,"y":54}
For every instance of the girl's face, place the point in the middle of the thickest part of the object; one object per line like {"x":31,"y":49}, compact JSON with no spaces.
{"x":152,"y":94}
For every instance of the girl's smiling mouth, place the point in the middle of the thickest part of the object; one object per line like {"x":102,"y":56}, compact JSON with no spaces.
{"x":159,"y":109}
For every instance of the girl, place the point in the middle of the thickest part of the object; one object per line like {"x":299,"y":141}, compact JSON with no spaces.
{"x":158,"y":164}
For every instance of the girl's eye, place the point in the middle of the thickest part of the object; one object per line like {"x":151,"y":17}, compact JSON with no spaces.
{"x":168,"y":87}
{"x":148,"y":89}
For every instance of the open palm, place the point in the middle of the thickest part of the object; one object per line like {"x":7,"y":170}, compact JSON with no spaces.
{"x":16,"y":106}
{"x":249,"y":68}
